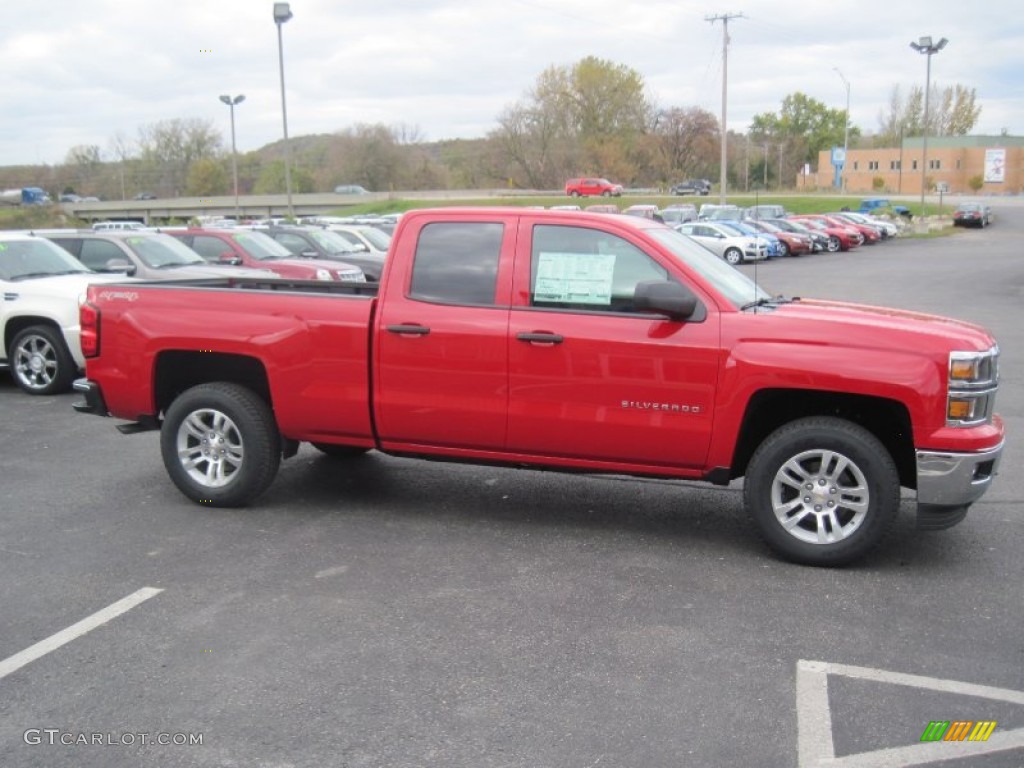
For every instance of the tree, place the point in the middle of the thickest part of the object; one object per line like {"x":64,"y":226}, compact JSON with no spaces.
{"x":952,"y":111}
{"x":207,"y":177}
{"x":805,"y":123}
{"x":167,"y":148}
{"x":587,"y":118}
{"x":687,"y":143}
{"x":272,"y":180}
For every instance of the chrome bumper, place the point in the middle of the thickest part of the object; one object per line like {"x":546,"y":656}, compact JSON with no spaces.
{"x":955,"y":479}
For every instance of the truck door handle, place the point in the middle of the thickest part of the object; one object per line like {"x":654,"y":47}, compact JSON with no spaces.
{"x":416,"y":330}
{"x":540,"y":338}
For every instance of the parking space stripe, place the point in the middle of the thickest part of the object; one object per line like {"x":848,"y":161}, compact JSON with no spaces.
{"x":65,"y":636}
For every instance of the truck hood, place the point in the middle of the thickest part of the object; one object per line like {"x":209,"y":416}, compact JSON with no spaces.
{"x":863,"y":325}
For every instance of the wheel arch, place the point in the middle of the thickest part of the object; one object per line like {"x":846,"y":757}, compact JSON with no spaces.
{"x":888,"y":420}
{"x":178,"y":370}
{"x":18,"y":323}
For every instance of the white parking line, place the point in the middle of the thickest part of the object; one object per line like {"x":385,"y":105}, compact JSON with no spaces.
{"x":815,"y":744}
{"x":89,"y":623}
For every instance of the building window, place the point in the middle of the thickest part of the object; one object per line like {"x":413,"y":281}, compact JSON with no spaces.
{"x":894,"y":165}
{"x":872,"y":165}
{"x":934,"y":165}
{"x":958,"y":165}
{"x":913,"y":165}
{"x":856,"y":165}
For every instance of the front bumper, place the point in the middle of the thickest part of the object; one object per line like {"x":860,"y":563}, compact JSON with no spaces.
{"x":948,"y":483}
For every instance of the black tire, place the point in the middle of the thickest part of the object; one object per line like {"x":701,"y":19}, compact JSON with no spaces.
{"x":834,"y":244}
{"x":606,"y":193}
{"x":40,"y":361}
{"x":822,"y":491}
{"x":220,"y":444}
{"x":340,"y":451}
{"x":783,"y":249}
{"x":574,"y":193}
{"x":733,"y":256}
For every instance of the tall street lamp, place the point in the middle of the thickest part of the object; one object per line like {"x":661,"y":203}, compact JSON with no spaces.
{"x":282,"y":13}
{"x":846,"y":129}
{"x":231,"y":102}
{"x":926,"y":47}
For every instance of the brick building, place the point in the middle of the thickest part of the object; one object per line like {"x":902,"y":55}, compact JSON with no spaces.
{"x":953,"y":161}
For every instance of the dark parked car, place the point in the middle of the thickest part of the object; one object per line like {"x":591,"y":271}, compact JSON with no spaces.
{"x":972,"y":215}
{"x":691,"y":187}
{"x":317,"y":243}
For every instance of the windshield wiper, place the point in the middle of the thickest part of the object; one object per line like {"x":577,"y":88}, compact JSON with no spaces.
{"x":768,"y":301}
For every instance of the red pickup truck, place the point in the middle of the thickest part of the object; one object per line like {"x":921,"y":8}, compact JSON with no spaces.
{"x":565,"y":341}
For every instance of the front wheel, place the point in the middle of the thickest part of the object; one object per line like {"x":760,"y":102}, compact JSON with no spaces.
{"x":783,"y":249}
{"x":40,"y":361}
{"x":834,"y":244}
{"x":733,"y":256}
{"x":574,"y":193}
{"x":220,"y":444}
{"x":822,"y":491}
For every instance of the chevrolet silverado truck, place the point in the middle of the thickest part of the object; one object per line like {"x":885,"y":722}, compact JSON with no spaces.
{"x":562,"y":341}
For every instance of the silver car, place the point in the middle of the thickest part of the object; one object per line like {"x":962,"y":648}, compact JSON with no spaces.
{"x":146,"y":255}
{"x":725,"y":242}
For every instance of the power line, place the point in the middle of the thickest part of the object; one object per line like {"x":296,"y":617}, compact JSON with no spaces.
{"x":724,"y":18}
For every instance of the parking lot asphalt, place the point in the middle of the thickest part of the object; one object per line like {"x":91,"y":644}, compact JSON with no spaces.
{"x":393,"y":612}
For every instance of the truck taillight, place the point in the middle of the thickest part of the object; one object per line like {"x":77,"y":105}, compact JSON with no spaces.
{"x":89,"y":322}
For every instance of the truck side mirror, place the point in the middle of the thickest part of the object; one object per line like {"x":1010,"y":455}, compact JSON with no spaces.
{"x":120,"y":265}
{"x":666,"y":298}
{"x":229,"y":258}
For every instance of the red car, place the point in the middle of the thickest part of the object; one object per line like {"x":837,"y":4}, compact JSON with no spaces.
{"x":840,"y":238}
{"x":256,"y":249}
{"x":790,"y":243}
{"x":871,"y":234}
{"x":592,"y":187}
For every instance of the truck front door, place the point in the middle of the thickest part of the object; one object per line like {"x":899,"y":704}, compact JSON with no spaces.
{"x":590,"y":377}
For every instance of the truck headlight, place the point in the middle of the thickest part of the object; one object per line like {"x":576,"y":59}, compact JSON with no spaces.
{"x":972,"y":385}
{"x":323,"y":274}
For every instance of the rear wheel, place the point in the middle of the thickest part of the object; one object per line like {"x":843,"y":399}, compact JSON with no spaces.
{"x":220,"y":444}
{"x":606,"y":193}
{"x":822,"y":491}
{"x":733,"y":255}
{"x":40,"y":361}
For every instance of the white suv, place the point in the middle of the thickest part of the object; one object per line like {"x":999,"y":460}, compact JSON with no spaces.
{"x":40,"y":289}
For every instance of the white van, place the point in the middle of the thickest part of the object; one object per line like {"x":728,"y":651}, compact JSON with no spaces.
{"x":105,"y":226}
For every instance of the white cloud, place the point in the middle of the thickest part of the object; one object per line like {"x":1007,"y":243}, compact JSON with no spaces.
{"x":78,"y":73}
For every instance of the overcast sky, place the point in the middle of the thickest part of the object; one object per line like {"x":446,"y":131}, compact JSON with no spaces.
{"x":79,"y":72}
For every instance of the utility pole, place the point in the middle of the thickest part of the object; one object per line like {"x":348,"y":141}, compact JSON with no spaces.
{"x":724,"y":18}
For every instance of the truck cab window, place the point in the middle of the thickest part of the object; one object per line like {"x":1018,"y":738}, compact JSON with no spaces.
{"x":587,"y":269}
{"x":457,"y":263}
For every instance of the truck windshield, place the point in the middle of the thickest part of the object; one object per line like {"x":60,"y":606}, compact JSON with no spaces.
{"x":163,"y":251}
{"x":26,"y":259}
{"x":261,"y":246}
{"x":730,"y":282}
{"x":333,"y":243}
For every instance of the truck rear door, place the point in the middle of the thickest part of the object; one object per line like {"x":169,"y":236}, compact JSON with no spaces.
{"x":441,"y":359}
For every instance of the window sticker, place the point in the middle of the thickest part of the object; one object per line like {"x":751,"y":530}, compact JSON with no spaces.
{"x":574,"y":278}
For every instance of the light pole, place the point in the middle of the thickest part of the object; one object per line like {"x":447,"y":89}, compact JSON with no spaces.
{"x":926,"y":47}
{"x":846,"y":129}
{"x":282,"y":13}
{"x":231,"y":102}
